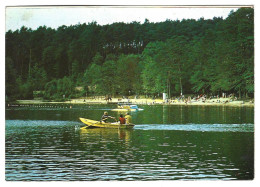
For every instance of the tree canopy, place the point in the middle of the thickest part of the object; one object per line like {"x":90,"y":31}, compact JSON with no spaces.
{"x":178,"y":57}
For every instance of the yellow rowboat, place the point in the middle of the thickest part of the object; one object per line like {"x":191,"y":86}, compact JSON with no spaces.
{"x":98,"y":124}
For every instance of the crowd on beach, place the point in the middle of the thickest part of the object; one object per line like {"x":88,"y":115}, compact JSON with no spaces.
{"x":182,"y":99}
{"x":201,"y":99}
{"x":204,"y":98}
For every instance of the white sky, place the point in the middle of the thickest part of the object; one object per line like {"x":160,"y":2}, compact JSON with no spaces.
{"x":55,"y":16}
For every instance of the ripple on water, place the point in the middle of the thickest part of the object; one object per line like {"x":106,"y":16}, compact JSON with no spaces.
{"x":58,"y":152}
{"x":200,"y":127}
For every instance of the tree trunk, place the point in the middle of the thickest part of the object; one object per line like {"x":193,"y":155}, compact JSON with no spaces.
{"x":180,"y":78}
{"x":181,"y":85}
{"x":30,"y":62}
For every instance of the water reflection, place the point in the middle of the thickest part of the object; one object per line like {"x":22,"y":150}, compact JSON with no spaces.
{"x":156,"y":114}
{"x":165,"y":114}
{"x":123,"y":134}
{"x":167,"y":143}
{"x":40,"y":150}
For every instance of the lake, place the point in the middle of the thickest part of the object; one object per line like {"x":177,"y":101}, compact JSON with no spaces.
{"x":44,"y":143}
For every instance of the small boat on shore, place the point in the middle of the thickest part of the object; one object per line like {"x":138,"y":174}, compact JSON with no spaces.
{"x":127,"y":108}
{"x":99,"y":124}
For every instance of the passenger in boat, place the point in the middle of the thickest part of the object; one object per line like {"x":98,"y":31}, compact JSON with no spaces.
{"x":105,"y":117}
{"x":128,"y":118}
{"x":121,"y":119}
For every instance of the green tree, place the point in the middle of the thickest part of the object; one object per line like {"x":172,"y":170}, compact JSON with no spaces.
{"x":149,"y":76}
{"x":109,"y":72}
{"x":128,"y":74}
{"x":93,"y":79}
{"x":235,"y":52}
{"x":38,"y":77}
{"x":187,"y":56}
{"x":11,"y":85}
{"x":204,"y":65}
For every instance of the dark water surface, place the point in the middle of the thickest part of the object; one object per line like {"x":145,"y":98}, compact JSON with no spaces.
{"x":45,"y":143}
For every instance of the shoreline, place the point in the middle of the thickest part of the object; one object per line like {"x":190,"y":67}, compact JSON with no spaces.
{"x":211,"y":102}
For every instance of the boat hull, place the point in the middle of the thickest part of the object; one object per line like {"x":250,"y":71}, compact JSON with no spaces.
{"x":98,"y":124}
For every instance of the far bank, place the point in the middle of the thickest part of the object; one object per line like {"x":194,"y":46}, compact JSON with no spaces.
{"x":148,"y":101}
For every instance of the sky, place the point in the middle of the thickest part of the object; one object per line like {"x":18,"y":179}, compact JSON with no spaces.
{"x":55,"y":16}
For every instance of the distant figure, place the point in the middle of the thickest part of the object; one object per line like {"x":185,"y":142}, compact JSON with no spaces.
{"x":108,"y":98}
{"x":105,"y":117}
{"x":128,"y":118}
{"x":121,"y":119}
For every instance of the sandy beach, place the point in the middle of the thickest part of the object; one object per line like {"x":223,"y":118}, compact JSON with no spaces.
{"x":219,"y":101}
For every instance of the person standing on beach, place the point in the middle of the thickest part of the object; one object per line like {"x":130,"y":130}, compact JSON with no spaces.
{"x":128,"y":118}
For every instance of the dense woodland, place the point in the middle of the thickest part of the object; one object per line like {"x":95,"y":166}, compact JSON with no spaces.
{"x":177,"y":57}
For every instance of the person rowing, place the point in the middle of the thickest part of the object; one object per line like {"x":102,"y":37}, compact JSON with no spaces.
{"x":121,"y":119}
{"x":128,"y":118}
{"x":105,"y":117}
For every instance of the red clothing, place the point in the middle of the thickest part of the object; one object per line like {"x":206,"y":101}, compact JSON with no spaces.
{"x":122,"y":120}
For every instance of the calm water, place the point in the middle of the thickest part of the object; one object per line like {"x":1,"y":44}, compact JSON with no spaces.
{"x":45,"y":143}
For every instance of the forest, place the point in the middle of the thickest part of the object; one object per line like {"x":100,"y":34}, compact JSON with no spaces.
{"x":176,"y":57}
